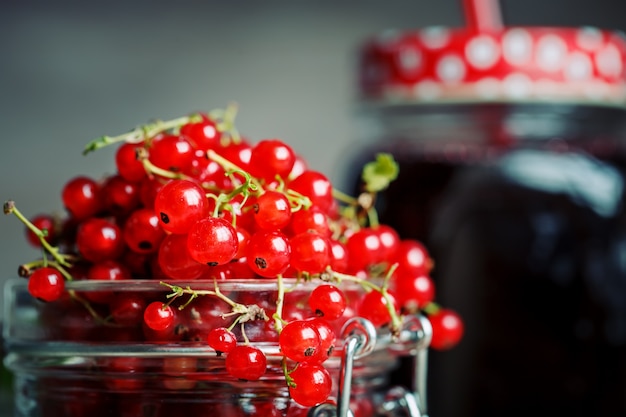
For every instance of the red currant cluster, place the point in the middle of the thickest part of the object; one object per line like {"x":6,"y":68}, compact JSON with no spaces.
{"x":193,"y":201}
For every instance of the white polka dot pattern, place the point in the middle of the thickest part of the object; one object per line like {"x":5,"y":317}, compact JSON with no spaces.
{"x":510,"y":64}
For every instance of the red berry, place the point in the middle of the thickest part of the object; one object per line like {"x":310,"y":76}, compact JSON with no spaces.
{"x":105,"y":271}
{"x":81,"y":197}
{"x":203,"y":135}
{"x":312,"y":384}
{"x":212,"y":241}
{"x":271,"y":158}
{"x":127,"y":163}
{"x":99,"y":240}
{"x":171,"y":152}
{"x":412,"y":257}
{"x":46,"y":284}
{"x":127,"y":308}
{"x":311,"y":220}
{"x":179,"y":204}
{"x":272,"y":211}
{"x":175,"y":260}
{"x":120,"y":196}
{"x":327,"y":301}
{"x":159,"y":316}
{"x":316,"y":186}
{"x":448,"y":329}
{"x":310,"y":252}
{"x":413,"y":291}
{"x":327,"y":339}
{"x":268,"y":253}
{"x":374,"y":307}
{"x":222,"y":340}
{"x":246,"y":362}
{"x":142,"y":231}
{"x":299,"y":340}
{"x":364,"y":249}
{"x":46,"y":224}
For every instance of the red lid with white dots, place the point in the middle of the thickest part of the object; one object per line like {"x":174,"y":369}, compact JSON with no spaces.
{"x":488,"y":62}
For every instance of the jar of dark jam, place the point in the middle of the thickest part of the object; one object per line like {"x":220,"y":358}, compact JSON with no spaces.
{"x":511,"y":146}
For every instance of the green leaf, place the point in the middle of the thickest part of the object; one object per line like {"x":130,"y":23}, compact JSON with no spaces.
{"x":379,"y":173}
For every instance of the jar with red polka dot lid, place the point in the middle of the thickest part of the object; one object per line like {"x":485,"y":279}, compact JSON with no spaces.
{"x":510,"y":142}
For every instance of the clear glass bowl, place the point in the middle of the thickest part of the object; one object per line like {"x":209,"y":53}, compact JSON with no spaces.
{"x":68,"y":359}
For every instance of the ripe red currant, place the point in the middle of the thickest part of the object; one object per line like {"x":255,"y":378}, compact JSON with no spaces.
{"x":374,"y":307}
{"x":316,"y":186}
{"x":327,"y":301}
{"x":312,"y":384}
{"x":222,"y":340}
{"x":171,"y":152}
{"x":310,"y":252}
{"x":46,"y":284}
{"x":127,"y":163}
{"x":272,"y":211}
{"x":176,"y":262}
{"x":268,"y":253}
{"x":142,"y":231}
{"x":448,"y":329}
{"x":179,"y":204}
{"x":212,"y":241}
{"x":271,"y":158}
{"x":299,"y":340}
{"x":99,"y":240}
{"x":246,"y":362}
{"x":81,"y":197}
{"x":43,"y":222}
{"x":159,"y":316}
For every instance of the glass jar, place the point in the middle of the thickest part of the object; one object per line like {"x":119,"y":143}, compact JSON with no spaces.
{"x":512,"y":174}
{"x":69,"y":360}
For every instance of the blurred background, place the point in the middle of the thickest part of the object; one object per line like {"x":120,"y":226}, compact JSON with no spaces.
{"x":71,"y":71}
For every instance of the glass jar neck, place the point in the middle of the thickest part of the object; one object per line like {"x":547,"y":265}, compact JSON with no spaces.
{"x":481,"y":125}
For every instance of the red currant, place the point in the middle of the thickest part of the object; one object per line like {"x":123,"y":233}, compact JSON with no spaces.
{"x":176,"y":262}
{"x":203,"y":135}
{"x":46,"y":284}
{"x":271,"y":158}
{"x":159,"y":316}
{"x":316,"y":186}
{"x":327,"y":301}
{"x":312,"y":384}
{"x":246,"y":362}
{"x":120,"y":196}
{"x":310,"y":252}
{"x":142,"y":231}
{"x":99,"y":240}
{"x":171,"y":152}
{"x":268,"y":253}
{"x":299,"y":340}
{"x":212,"y":241}
{"x":179,"y":204}
{"x":127,"y":163}
{"x":272,"y":210}
{"x":374,"y":307}
{"x":46,"y":224}
{"x":413,"y":291}
{"x":222,"y":340}
{"x":81,"y":197}
{"x":448,"y":329}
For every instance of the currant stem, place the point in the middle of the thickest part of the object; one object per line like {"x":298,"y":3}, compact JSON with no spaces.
{"x":396,"y":321}
{"x":278,"y":320}
{"x":141,"y":133}
{"x":151,"y":169}
{"x":230,"y":167}
{"x":63,"y":260}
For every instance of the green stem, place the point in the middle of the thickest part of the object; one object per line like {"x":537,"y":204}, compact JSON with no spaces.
{"x":140,"y":133}
{"x":343,"y":197}
{"x":278,"y":316}
{"x":63,"y":260}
